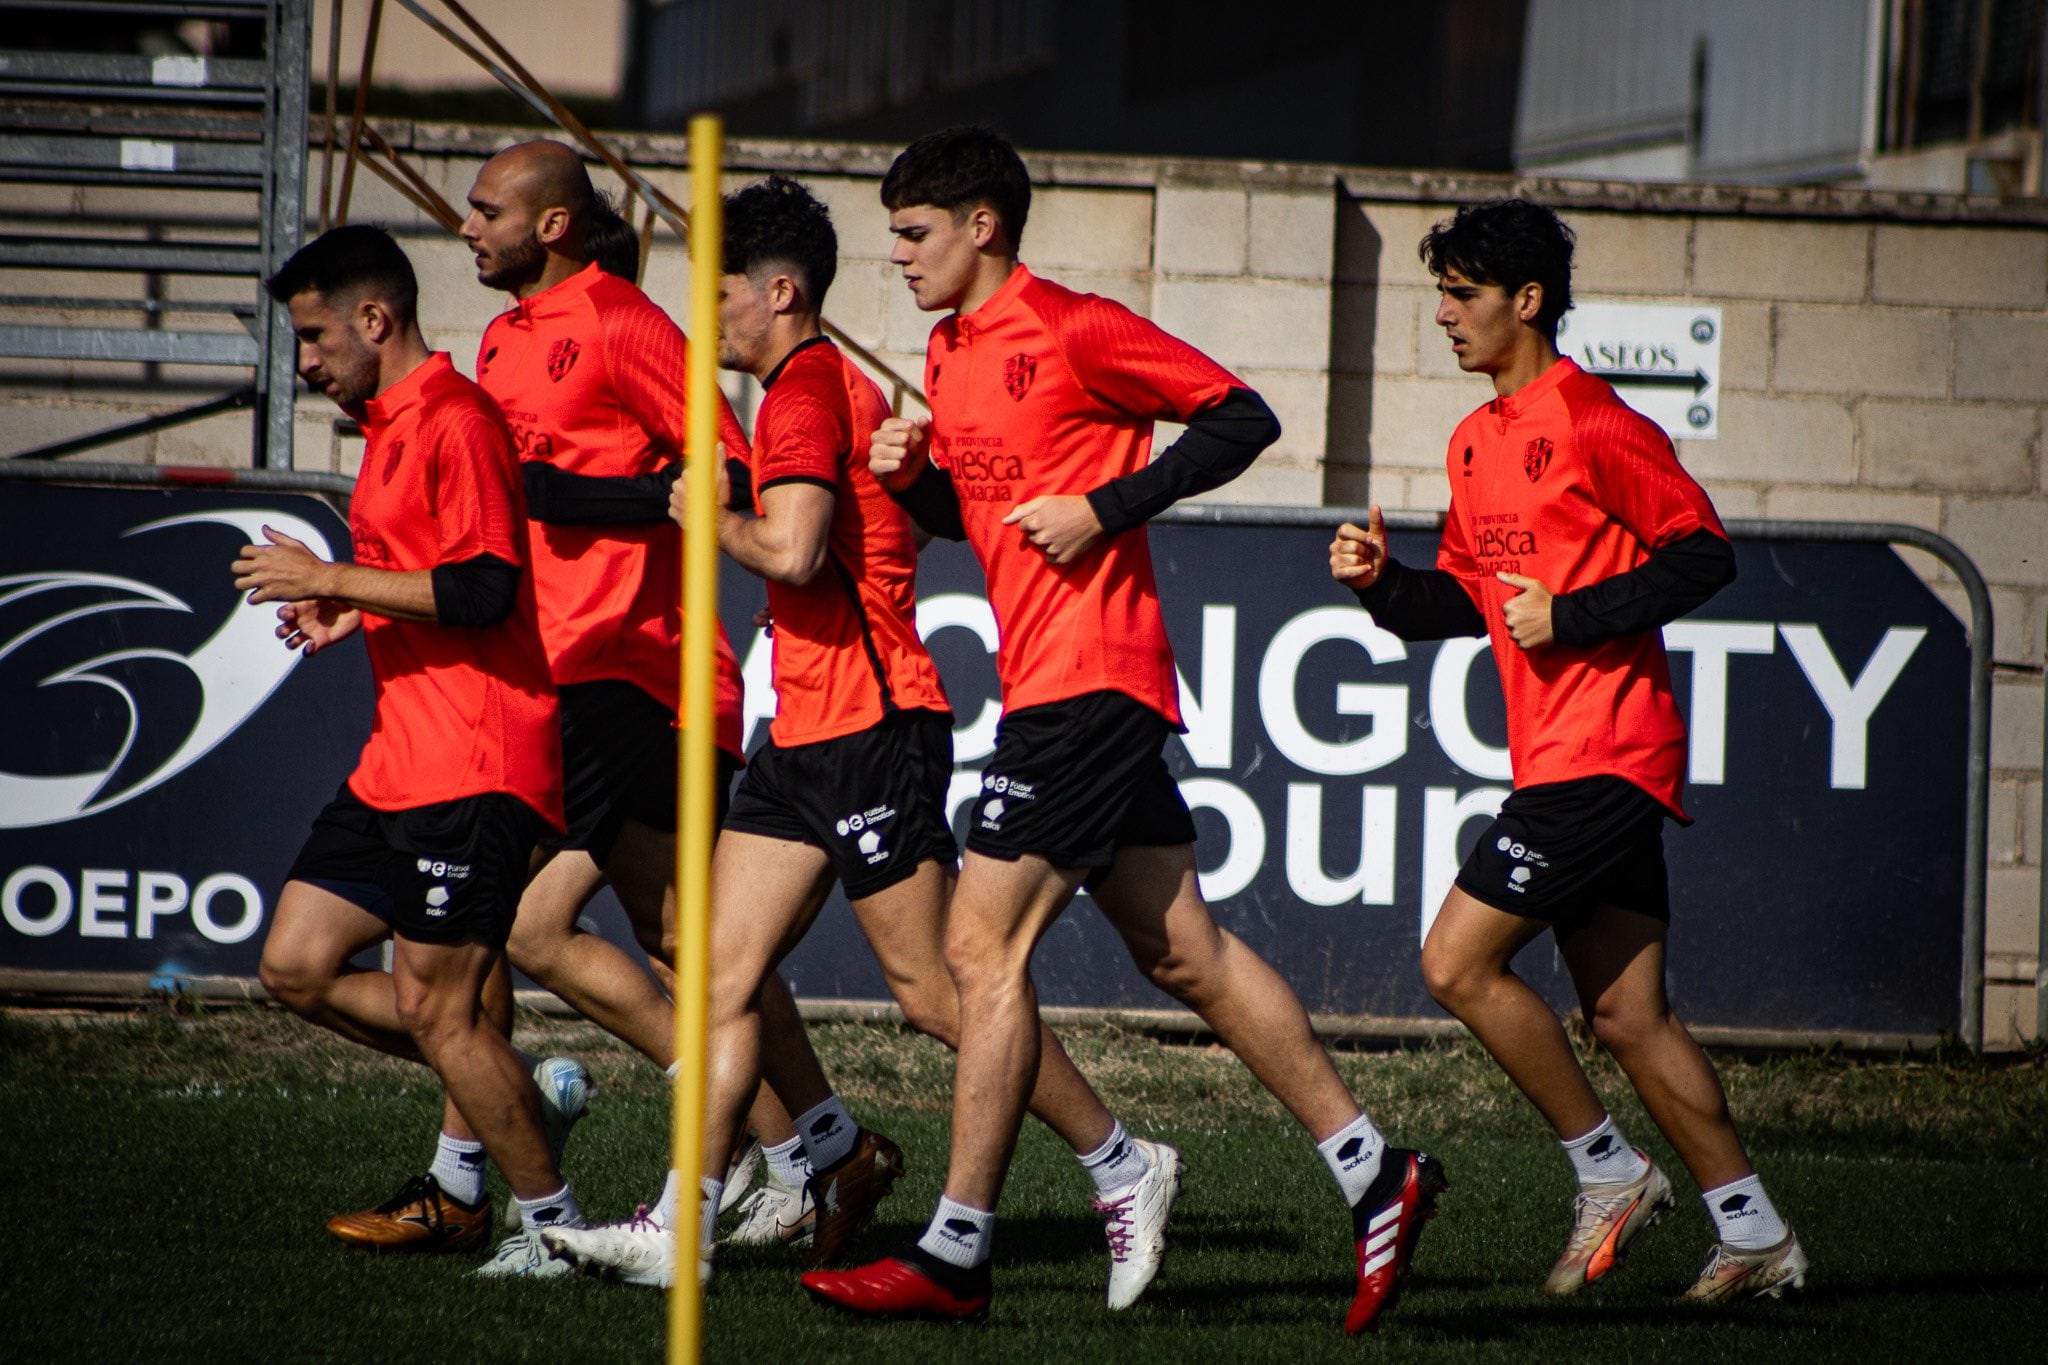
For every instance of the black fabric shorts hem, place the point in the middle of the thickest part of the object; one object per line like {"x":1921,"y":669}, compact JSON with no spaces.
{"x":873,"y":801}
{"x":1559,"y":850}
{"x":451,"y":872}
{"x":1073,"y":781}
{"x":618,"y":764}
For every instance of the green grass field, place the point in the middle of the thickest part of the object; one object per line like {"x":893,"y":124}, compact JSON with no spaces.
{"x":166,"y":1179}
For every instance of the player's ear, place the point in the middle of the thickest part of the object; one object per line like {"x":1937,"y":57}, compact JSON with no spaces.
{"x":1529,"y":302}
{"x":984,"y":225}
{"x":783,"y":294}
{"x":553,"y":226}
{"x":374,"y":321}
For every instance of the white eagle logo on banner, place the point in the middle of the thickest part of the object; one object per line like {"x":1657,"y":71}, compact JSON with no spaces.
{"x":237,"y":668}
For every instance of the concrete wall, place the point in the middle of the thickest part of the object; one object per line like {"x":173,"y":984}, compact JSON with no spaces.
{"x":1885,"y":358}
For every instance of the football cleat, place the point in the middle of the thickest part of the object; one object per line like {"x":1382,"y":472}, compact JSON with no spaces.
{"x":1136,"y":1223}
{"x":639,"y":1251}
{"x":775,"y":1213}
{"x":566,"y":1091}
{"x":523,"y":1253}
{"x":905,"y":1286}
{"x":1387,"y":1221}
{"x":1605,"y":1219}
{"x":740,"y":1173}
{"x":420,"y":1217}
{"x":1732,"y":1273}
{"x":844,"y":1197}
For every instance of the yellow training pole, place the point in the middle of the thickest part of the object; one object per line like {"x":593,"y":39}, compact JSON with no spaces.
{"x":694,"y":773}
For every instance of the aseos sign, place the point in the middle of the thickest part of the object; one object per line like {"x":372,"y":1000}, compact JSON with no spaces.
{"x":1338,"y":777}
{"x":162,"y":754}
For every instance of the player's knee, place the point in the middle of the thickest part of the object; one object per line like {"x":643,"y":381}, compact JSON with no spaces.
{"x":292,"y":981}
{"x":1622,"y":1029}
{"x":932,"y":1011}
{"x":1449,"y":978}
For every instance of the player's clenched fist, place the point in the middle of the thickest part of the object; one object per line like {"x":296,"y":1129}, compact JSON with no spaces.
{"x":1358,"y":554}
{"x":898,"y":450}
{"x":679,"y":491}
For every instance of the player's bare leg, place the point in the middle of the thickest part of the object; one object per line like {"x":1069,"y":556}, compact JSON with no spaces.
{"x":999,"y":911}
{"x":1150,"y":897}
{"x":439,"y":989}
{"x":590,"y":974}
{"x":906,"y":927}
{"x":1616,"y":959}
{"x":1466,"y":967}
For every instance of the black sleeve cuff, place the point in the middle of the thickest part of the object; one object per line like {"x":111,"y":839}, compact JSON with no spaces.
{"x":934,"y":504}
{"x":565,"y":499}
{"x":1674,"y":580}
{"x":475,"y":592}
{"x":1421,"y":604}
{"x":1220,"y":443}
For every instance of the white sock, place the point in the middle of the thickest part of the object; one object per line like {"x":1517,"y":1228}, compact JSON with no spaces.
{"x":557,"y":1210}
{"x":707,"y":1212}
{"x":958,"y":1235}
{"x":1353,"y":1156}
{"x":1743,"y":1215}
{"x":665,"y":1207}
{"x":787,"y":1163}
{"x":459,"y":1167}
{"x":828,"y":1132}
{"x":1117,"y":1164}
{"x":1604,"y":1157}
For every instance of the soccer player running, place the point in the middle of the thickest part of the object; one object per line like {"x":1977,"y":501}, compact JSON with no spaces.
{"x":852,"y":784}
{"x":589,"y":372}
{"x":1573,"y":536}
{"x":1043,"y":402}
{"x":427,"y":843}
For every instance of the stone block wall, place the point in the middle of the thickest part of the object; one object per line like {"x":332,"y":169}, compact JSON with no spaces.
{"x":1885,"y":357}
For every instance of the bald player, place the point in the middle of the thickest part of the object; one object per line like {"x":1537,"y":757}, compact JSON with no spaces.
{"x":589,"y":372}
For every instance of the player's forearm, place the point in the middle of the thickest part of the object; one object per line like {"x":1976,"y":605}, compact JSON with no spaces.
{"x":401,"y":595}
{"x":1675,"y":579}
{"x":763,"y":546}
{"x":1420,"y":604}
{"x":1219,"y":444}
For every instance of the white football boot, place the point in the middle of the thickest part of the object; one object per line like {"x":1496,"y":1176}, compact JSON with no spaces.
{"x":740,"y":1173}
{"x":1136,"y":1223}
{"x":523,"y":1253}
{"x":639,"y":1251}
{"x":773,"y":1214}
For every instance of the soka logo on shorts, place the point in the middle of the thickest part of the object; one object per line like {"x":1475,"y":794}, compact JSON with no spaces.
{"x":236,"y":668}
{"x":437,"y":901}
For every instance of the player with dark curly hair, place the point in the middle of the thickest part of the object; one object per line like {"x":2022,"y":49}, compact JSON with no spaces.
{"x":1573,"y":537}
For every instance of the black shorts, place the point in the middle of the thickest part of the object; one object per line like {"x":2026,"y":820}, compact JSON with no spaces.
{"x":618,"y":764}
{"x":451,"y":872}
{"x":875,"y":801}
{"x":1559,"y":850}
{"x":1073,"y":781}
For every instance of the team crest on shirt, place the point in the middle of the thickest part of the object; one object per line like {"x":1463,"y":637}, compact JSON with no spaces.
{"x":1018,"y":372}
{"x":1536,"y":458}
{"x":391,"y":459}
{"x":562,"y":358}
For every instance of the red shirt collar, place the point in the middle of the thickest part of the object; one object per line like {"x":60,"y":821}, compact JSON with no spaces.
{"x":1533,"y":392}
{"x":993,"y":306}
{"x":408,"y":393}
{"x":554,"y":295}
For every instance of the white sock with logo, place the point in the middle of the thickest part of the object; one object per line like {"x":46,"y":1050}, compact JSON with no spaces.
{"x":1743,"y":1215}
{"x":958,"y":1235}
{"x":665,"y":1207}
{"x":1353,"y":1156}
{"x":787,"y":1163}
{"x":459,"y":1169}
{"x":707,"y":1212}
{"x":1604,"y":1157}
{"x":828,"y":1132}
{"x":1117,"y":1164}
{"x":557,"y":1210}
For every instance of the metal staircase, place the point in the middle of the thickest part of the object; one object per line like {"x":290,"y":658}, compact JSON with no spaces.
{"x":203,"y":127}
